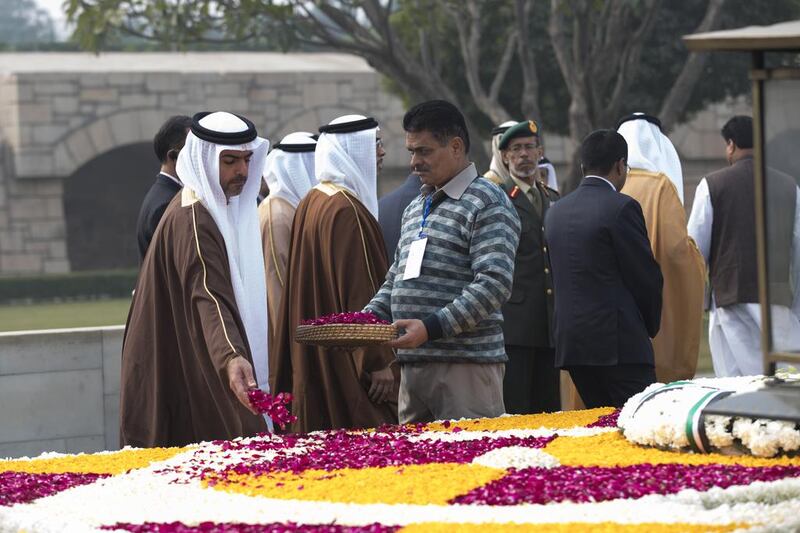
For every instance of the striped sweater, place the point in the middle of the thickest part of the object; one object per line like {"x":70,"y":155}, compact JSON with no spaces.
{"x":466,"y":275}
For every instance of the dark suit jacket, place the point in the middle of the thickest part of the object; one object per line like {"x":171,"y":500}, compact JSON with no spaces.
{"x":390,"y":212}
{"x":528,"y":313}
{"x":607,"y":283}
{"x":153,"y":206}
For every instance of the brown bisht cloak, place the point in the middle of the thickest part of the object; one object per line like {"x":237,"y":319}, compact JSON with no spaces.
{"x":337,"y":262}
{"x":677,"y":344}
{"x":183,"y":328}
{"x":275,"y":217}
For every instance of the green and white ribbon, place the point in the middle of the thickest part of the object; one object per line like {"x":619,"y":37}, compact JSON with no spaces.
{"x":695,"y":421}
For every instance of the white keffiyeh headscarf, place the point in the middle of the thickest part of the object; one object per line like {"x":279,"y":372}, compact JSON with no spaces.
{"x":497,"y":165}
{"x":290,"y":174}
{"x":552,"y":180}
{"x":649,"y":149}
{"x":349,"y":160}
{"x":237,"y":221}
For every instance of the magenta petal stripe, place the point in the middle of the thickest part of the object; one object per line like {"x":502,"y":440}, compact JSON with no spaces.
{"x":597,"y":484}
{"x":339,"y":449}
{"x":24,"y":487}
{"x":213,"y":527}
{"x":606,"y":421}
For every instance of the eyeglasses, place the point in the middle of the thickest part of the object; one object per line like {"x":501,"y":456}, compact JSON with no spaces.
{"x":517,"y":148}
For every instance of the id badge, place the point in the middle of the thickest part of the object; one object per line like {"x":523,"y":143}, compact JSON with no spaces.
{"x":414,"y":260}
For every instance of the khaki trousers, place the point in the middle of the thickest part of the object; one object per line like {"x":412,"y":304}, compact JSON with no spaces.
{"x":448,"y":391}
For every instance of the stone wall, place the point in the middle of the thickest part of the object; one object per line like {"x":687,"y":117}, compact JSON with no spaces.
{"x":55,"y":122}
{"x":59,"y":391}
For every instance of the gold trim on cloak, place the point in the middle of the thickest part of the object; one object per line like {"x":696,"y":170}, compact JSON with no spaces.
{"x":272,"y":243}
{"x":205,"y":271}
{"x":330,"y":189}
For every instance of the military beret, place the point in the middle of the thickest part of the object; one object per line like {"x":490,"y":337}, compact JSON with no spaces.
{"x":526,"y":128}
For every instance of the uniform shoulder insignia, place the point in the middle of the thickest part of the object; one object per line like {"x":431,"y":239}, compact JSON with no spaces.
{"x":493,"y":177}
{"x":513,"y":193}
{"x":549,"y":191}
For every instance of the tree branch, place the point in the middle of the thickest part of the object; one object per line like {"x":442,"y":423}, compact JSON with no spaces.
{"x":502,"y":68}
{"x":530,"y":79}
{"x":684,"y":85}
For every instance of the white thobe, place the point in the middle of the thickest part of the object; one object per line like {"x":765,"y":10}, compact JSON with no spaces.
{"x":734,"y":331}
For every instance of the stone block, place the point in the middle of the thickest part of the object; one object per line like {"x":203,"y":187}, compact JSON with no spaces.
{"x":47,"y":230}
{"x":34,"y":164}
{"x":168,"y":100}
{"x":57,"y":248}
{"x":49,"y":187}
{"x":99,"y":95}
{"x":56,"y":266}
{"x":93,"y":80}
{"x":31,"y":448}
{"x":65,"y":105}
{"x":81,"y":147}
{"x":163,"y":82}
{"x":125,"y":79}
{"x":112,"y":358}
{"x":125,"y":128}
{"x":63,"y":163}
{"x":51,"y":405}
{"x":55,"y":210}
{"x":345,"y":90}
{"x":24,"y":92}
{"x":90,"y":444}
{"x":111,"y":420}
{"x":138,"y":100}
{"x":11,"y":241}
{"x":224,"y":89}
{"x":31,"y":208}
{"x":101,"y":135}
{"x":45,"y":134}
{"x":293,"y":99}
{"x":263,"y":95}
{"x":151,"y":120}
{"x":50,"y":88}
{"x":38,"y":248}
{"x":228,"y":103}
{"x":51,"y":351}
{"x":36,"y":113}
{"x":20,"y":264}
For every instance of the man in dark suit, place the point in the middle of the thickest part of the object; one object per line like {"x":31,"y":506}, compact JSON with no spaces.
{"x":531,"y":382}
{"x":390,"y":212}
{"x":167,"y":144}
{"x":607,"y":283}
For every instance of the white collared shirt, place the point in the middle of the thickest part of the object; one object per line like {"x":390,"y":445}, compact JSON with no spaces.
{"x":173,"y":178}
{"x":601,"y":178}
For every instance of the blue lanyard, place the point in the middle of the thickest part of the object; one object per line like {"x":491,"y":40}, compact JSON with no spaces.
{"x":426,"y":210}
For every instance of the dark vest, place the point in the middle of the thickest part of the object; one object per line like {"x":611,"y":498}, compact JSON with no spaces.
{"x":733,"y":267}
{"x":528,"y":313}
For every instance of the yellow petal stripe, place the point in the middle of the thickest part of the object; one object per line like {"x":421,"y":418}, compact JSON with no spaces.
{"x":434,"y":484}
{"x":98,"y":463}
{"x":612,"y":449}
{"x":562,"y":420}
{"x":568,"y":527}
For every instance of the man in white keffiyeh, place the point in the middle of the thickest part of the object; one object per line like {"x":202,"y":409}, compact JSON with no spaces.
{"x":289,"y":174}
{"x":498,"y":170}
{"x":655,"y":181}
{"x":337,"y":262}
{"x":196,"y":338}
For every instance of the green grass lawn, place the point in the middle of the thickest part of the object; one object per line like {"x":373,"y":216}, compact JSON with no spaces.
{"x":109,"y":312}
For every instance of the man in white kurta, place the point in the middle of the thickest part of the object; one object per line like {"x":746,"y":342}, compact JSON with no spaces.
{"x":735,"y":330}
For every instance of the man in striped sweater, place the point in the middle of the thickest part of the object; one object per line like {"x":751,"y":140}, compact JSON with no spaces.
{"x":451,"y":274}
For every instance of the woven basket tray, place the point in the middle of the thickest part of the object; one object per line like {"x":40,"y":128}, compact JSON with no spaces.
{"x":345,"y":334}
